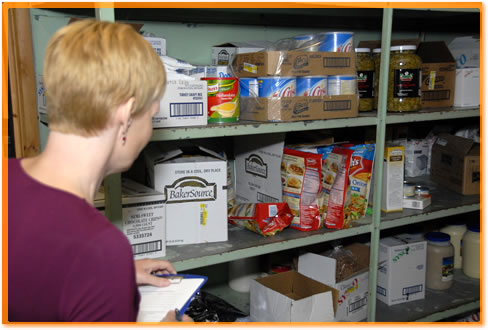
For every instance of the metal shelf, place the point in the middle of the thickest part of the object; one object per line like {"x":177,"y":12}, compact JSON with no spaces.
{"x":433,"y":114}
{"x":462,"y":297}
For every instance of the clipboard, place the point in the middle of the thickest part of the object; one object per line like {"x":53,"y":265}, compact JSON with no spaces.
{"x":156,"y":302}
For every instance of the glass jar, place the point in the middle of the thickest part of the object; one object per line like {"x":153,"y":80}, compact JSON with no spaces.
{"x":471,"y":251}
{"x":404,"y":79}
{"x":440,"y":261}
{"x":365,"y":78}
{"x":377,"y":63}
{"x":456,"y":231}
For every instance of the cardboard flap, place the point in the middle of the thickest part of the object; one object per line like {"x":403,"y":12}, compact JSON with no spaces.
{"x":318,"y":267}
{"x":435,"y":52}
{"x":212,"y":153}
{"x":452,"y":143}
{"x":157,"y":154}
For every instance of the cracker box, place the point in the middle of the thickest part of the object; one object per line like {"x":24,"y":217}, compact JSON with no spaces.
{"x":194,"y":186}
{"x":143,"y":218}
{"x":402,"y":269}
{"x":352,"y":300}
{"x":291,"y":297}
{"x":184,"y":103}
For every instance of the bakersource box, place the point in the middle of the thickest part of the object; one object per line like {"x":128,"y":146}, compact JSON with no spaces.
{"x":184,"y":103}
{"x":401,"y":272}
{"x":257,"y":168}
{"x":143,"y":218}
{"x":352,"y":300}
{"x":291,"y":297}
{"x":193,"y":181}
{"x":456,"y":164}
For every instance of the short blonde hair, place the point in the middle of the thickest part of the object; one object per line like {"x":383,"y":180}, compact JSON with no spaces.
{"x":91,"y":68}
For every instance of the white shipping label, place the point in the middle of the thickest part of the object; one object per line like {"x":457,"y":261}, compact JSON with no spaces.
{"x":144,"y":226}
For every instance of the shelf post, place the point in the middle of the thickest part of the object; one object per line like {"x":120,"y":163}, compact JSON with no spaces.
{"x":378,"y":166}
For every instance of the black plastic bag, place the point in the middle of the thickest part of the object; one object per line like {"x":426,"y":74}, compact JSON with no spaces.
{"x":206,"y":307}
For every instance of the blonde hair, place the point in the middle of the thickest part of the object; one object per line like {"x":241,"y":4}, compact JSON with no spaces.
{"x":91,"y":68}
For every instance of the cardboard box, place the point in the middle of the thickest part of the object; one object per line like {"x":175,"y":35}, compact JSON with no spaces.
{"x":466,"y":51}
{"x":205,"y":71}
{"x":193,"y":182}
{"x":293,"y":63}
{"x":401,"y":272}
{"x":158,"y":44}
{"x":257,"y":168}
{"x":299,"y":108}
{"x":184,"y":103}
{"x":456,"y":164}
{"x":352,"y":301}
{"x":417,"y":202}
{"x":393,"y":169}
{"x":224,"y":53}
{"x":291,"y":297}
{"x":467,"y":91}
{"x":143,"y":218}
{"x":438,"y":74}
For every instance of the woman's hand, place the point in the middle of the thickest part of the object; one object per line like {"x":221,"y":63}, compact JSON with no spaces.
{"x":146,"y":267}
{"x":171,"y":317}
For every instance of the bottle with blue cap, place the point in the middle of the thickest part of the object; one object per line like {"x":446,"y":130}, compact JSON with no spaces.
{"x":440,"y":261}
{"x":471,"y":251}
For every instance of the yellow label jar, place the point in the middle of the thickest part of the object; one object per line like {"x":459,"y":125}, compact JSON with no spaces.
{"x":377,"y":62}
{"x":440,"y":261}
{"x":471,"y":252}
{"x":456,"y":231}
{"x":404,"y":79}
{"x":365,"y":78}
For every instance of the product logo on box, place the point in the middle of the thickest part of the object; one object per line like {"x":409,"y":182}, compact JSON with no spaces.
{"x":256,"y":166}
{"x":190,"y":189}
{"x":354,"y":286}
{"x":300,"y":62}
{"x":401,"y":254}
{"x":300,"y":107}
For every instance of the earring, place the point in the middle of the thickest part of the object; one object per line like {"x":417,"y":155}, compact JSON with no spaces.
{"x":124,"y":139}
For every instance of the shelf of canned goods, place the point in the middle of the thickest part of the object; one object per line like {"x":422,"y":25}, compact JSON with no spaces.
{"x":243,"y":244}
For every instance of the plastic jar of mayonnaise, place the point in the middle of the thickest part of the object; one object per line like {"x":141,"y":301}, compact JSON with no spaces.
{"x":456,"y":231}
{"x":440,"y":261}
{"x":471,"y":251}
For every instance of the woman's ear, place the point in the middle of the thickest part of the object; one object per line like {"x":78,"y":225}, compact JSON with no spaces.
{"x":124,"y":112}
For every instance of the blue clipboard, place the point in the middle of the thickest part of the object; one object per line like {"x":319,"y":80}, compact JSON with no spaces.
{"x":183,"y":308}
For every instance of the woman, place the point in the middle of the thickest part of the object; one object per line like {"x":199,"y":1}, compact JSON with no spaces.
{"x":66,"y":261}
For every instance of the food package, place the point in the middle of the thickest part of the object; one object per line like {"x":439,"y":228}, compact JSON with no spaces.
{"x":328,"y":177}
{"x":337,"y":172}
{"x":266,"y":219}
{"x":346,"y":262}
{"x":301,"y":179}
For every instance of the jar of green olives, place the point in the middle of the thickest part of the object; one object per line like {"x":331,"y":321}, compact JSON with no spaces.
{"x":365,"y":78}
{"x":377,"y":62}
{"x":405,"y":79}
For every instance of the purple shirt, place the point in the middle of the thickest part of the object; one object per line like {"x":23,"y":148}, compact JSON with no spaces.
{"x":66,"y":261}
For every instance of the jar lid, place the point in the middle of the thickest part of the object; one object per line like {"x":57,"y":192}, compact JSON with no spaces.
{"x":475,"y":228}
{"x":362,"y":50}
{"x":403,"y":47}
{"x":377,"y":50}
{"x":437,"y":236}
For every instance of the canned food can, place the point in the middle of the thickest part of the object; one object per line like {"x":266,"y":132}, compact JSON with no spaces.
{"x":306,"y":43}
{"x":312,"y":86}
{"x":248,"y":87}
{"x":341,"y":85}
{"x":341,"y":42}
{"x":277,"y":86}
{"x":223,"y":99}
{"x":422,"y":190}
{"x":408,"y":189}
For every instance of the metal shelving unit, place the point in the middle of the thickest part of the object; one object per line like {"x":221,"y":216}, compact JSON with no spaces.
{"x":242,"y":244}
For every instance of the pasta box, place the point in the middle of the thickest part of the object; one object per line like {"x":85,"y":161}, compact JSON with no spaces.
{"x":352,"y":300}
{"x":291,"y":297}
{"x":143,"y":218}
{"x":193,"y":182}
{"x":456,"y":164}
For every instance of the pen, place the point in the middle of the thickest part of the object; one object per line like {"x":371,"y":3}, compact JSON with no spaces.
{"x":178,"y":315}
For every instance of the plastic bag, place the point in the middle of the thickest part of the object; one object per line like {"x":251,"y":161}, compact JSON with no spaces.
{"x":346,"y":262}
{"x":206,"y":307}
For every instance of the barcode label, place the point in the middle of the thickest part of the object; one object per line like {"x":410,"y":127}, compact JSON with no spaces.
{"x":147,"y":247}
{"x":412,"y":290}
{"x":262,"y":198}
{"x":436,"y":95}
{"x":185,"y":109}
{"x":337,"y":62}
{"x":381,"y":291}
{"x":358,"y":304}
{"x":337,"y":105}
